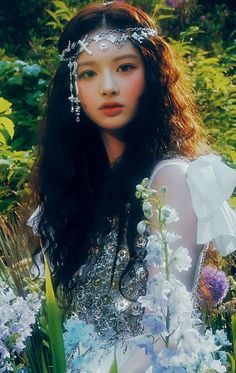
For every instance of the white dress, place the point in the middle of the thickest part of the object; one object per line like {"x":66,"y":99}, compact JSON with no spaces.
{"x":209,"y":183}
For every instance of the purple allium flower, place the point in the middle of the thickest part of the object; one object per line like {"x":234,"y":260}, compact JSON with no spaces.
{"x":213,"y":286}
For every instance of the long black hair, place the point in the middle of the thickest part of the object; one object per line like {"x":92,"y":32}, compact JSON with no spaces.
{"x":74,"y":182}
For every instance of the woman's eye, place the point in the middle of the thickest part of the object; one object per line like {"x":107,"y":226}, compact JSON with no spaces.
{"x":86,"y":74}
{"x":126,"y":67}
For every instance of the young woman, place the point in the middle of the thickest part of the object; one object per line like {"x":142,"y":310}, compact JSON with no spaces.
{"x":120,"y":109}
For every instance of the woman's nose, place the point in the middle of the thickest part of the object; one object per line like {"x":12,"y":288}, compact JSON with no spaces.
{"x":109,"y":85}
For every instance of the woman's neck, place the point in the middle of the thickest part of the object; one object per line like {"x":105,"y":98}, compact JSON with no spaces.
{"x":114,"y":146}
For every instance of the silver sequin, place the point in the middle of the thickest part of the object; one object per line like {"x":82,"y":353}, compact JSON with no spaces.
{"x":110,"y":303}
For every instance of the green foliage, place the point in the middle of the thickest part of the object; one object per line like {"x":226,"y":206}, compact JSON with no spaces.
{"x":206,"y":43}
{"x":6,"y":124}
{"x":213,"y":81}
{"x":25,"y":86}
{"x":232,"y":357}
{"x":163,"y":12}
{"x":60,"y":15}
{"x":15,"y":165}
{"x":16,"y":272}
{"x":217,"y":98}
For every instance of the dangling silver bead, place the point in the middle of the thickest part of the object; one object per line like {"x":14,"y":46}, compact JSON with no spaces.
{"x":77,"y":109}
{"x":103,"y":46}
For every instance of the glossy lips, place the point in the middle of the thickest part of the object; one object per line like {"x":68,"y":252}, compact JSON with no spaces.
{"x":111,"y":108}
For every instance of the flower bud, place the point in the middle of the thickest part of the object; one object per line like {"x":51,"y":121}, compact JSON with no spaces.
{"x":141,"y":227}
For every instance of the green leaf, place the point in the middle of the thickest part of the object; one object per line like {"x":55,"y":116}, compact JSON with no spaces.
{"x":8,"y":125}
{"x":165,"y":16}
{"x":114,"y":367}
{"x":233,"y":363}
{"x":60,"y":4}
{"x":5,"y":106}
{"x":54,"y":325}
{"x":2,"y":139}
{"x":32,"y":70}
{"x":233,"y":202}
{"x":233,"y":326}
{"x":16,"y":80}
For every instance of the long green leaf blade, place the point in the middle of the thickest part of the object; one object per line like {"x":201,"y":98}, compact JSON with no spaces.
{"x":54,"y":325}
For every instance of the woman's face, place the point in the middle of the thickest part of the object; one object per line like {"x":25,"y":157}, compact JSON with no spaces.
{"x":110,"y":83}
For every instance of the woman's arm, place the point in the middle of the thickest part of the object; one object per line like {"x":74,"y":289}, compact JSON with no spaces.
{"x":178,"y":197}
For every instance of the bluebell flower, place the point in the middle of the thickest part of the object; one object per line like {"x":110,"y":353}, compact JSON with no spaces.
{"x":81,"y":344}
{"x":153,"y":324}
{"x":17,"y":317}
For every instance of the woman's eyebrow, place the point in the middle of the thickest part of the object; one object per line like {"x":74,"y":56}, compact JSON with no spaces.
{"x":118,"y":58}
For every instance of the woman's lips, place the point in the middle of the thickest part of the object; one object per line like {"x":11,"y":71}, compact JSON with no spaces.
{"x":112,"y":110}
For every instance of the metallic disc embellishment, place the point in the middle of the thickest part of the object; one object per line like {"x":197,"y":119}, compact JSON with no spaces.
{"x":103,"y":46}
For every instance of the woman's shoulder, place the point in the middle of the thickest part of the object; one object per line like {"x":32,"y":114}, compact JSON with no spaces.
{"x":167,"y":166}
{"x":210,"y":183}
{"x":200,"y":173}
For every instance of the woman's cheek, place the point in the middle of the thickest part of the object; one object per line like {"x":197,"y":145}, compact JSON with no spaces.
{"x":136,"y":86}
{"x":83,"y":93}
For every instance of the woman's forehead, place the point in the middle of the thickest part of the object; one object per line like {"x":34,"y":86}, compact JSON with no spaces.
{"x":105,"y":49}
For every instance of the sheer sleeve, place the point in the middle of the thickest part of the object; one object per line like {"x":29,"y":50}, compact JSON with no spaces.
{"x":211,"y":184}
{"x":173,"y":174}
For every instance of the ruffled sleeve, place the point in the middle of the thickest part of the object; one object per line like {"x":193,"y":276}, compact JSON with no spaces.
{"x":211,"y":184}
{"x":34,"y":220}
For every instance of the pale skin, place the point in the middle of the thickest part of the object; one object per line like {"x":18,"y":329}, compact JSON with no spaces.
{"x":117,"y":75}
{"x":104,"y":77}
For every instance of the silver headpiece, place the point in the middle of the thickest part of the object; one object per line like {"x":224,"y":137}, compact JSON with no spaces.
{"x":117,"y":37}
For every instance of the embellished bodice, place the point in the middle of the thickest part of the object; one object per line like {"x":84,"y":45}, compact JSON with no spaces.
{"x":106,"y":296}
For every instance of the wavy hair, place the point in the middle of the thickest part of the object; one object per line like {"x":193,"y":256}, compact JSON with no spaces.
{"x":73,"y":180}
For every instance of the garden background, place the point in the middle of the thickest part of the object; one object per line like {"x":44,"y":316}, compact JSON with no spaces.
{"x":202,"y":32}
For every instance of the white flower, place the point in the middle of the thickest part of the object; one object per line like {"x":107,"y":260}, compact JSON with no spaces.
{"x":163,"y":189}
{"x":148,"y":301}
{"x":172,"y":313}
{"x":169,"y":215}
{"x":217,"y":366}
{"x":221,"y":338}
{"x":139,"y":188}
{"x":180,"y":300}
{"x":154,"y":251}
{"x":172,"y":359}
{"x":147,"y":209}
{"x":208,"y":343}
{"x":152,"y":193}
{"x":171,"y":237}
{"x":141,"y":227}
{"x":181,"y":259}
{"x":190,"y":342}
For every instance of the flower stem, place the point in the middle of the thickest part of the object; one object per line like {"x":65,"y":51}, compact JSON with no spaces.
{"x":167,"y":269}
